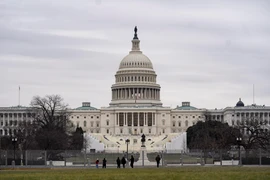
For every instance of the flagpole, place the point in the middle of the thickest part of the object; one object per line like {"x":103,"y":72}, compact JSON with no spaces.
{"x":19,"y":95}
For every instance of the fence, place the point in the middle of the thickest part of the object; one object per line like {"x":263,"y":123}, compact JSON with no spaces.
{"x":176,"y":158}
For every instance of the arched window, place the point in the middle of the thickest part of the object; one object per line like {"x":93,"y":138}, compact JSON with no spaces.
{"x":84,"y":123}
{"x":139,"y":78}
{"x":186,"y":123}
{"x":135,"y":78}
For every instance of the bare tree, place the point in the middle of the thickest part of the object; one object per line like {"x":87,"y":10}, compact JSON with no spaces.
{"x":255,"y":133}
{"x":51,"y":120}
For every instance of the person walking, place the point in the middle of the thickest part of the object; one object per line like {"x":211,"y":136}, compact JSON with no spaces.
{"x":118,"y":162}
{"x":104,"y":163}
{"x":158,"y":160}
{"x":97,"y":161}
{"x":123,"y":161}
{"x":131,"y":161}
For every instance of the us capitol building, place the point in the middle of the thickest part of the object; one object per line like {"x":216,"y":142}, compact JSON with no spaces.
{"x":136,"y":109}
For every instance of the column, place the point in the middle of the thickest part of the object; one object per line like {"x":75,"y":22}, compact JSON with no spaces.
{"x":145,"y":96}
{"x":117,"y":119}
{"x":153,"y":119}
{"x":145,"y":118}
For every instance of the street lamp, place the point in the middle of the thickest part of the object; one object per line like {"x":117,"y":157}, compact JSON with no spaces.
{"x":239,"y":140}
{"x":127,"y":142}
{"x":14,"y":140}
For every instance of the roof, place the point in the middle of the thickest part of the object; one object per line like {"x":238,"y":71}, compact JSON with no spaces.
{"x":185,"y":108}
{"x":86,"y":108}
{"x":15,"y":108}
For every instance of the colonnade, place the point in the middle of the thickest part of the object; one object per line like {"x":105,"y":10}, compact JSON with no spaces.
{"x":135,"y":119}
{"x":136,"y":93}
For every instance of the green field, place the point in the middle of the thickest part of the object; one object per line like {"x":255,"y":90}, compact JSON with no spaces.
{"x":206,"y":173}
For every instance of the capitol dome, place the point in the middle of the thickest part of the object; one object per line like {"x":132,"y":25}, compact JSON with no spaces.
{"x":136,"y":59}
{"x":135,"y":80}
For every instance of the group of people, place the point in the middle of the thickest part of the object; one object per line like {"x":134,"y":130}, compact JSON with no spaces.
{"x":123,"y":162}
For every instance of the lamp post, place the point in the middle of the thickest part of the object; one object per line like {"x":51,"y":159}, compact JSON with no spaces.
{"x":14,"y":140}
{"x":127,"y":142}
{"x":239,"y":140}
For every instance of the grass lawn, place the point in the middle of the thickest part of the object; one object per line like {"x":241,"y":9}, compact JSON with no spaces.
{"x":206,"y":173}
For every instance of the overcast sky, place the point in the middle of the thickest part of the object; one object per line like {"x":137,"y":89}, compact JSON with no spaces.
{"x":207,"y":52}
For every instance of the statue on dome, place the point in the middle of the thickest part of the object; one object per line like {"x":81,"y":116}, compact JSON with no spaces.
{"x":135,"y":35}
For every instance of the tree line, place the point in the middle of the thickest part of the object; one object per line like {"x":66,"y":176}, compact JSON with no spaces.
{"x":48,"y":129}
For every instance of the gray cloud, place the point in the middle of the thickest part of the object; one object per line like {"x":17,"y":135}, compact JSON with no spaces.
{"x":209,"y":53}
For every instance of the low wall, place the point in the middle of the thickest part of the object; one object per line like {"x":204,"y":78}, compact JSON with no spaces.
{"x":59,"y":163}
{"x":227,"y":162}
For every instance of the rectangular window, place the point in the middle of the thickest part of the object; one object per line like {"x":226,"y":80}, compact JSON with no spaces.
{"x":141,"y":119}
{"x":121,"y":119}
{"x":129,"y":116}
{"x":179,"y":123}
{"x":84,"y":123}
{"x":149,"y":119}
{"x":135,"y":119}
{"x":149,"y":131}
{"x":97,"y":124}
{"x":107,"y":122}
{"x":92,"y":124}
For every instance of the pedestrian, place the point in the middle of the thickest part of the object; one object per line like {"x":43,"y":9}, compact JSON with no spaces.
{"x":97,"y":161}
{"x":123,"y":161}
{"x":104,"y":163}
{"x":158,"y":160}
{"x":118,"y":162}
{"x":131,"y":161}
